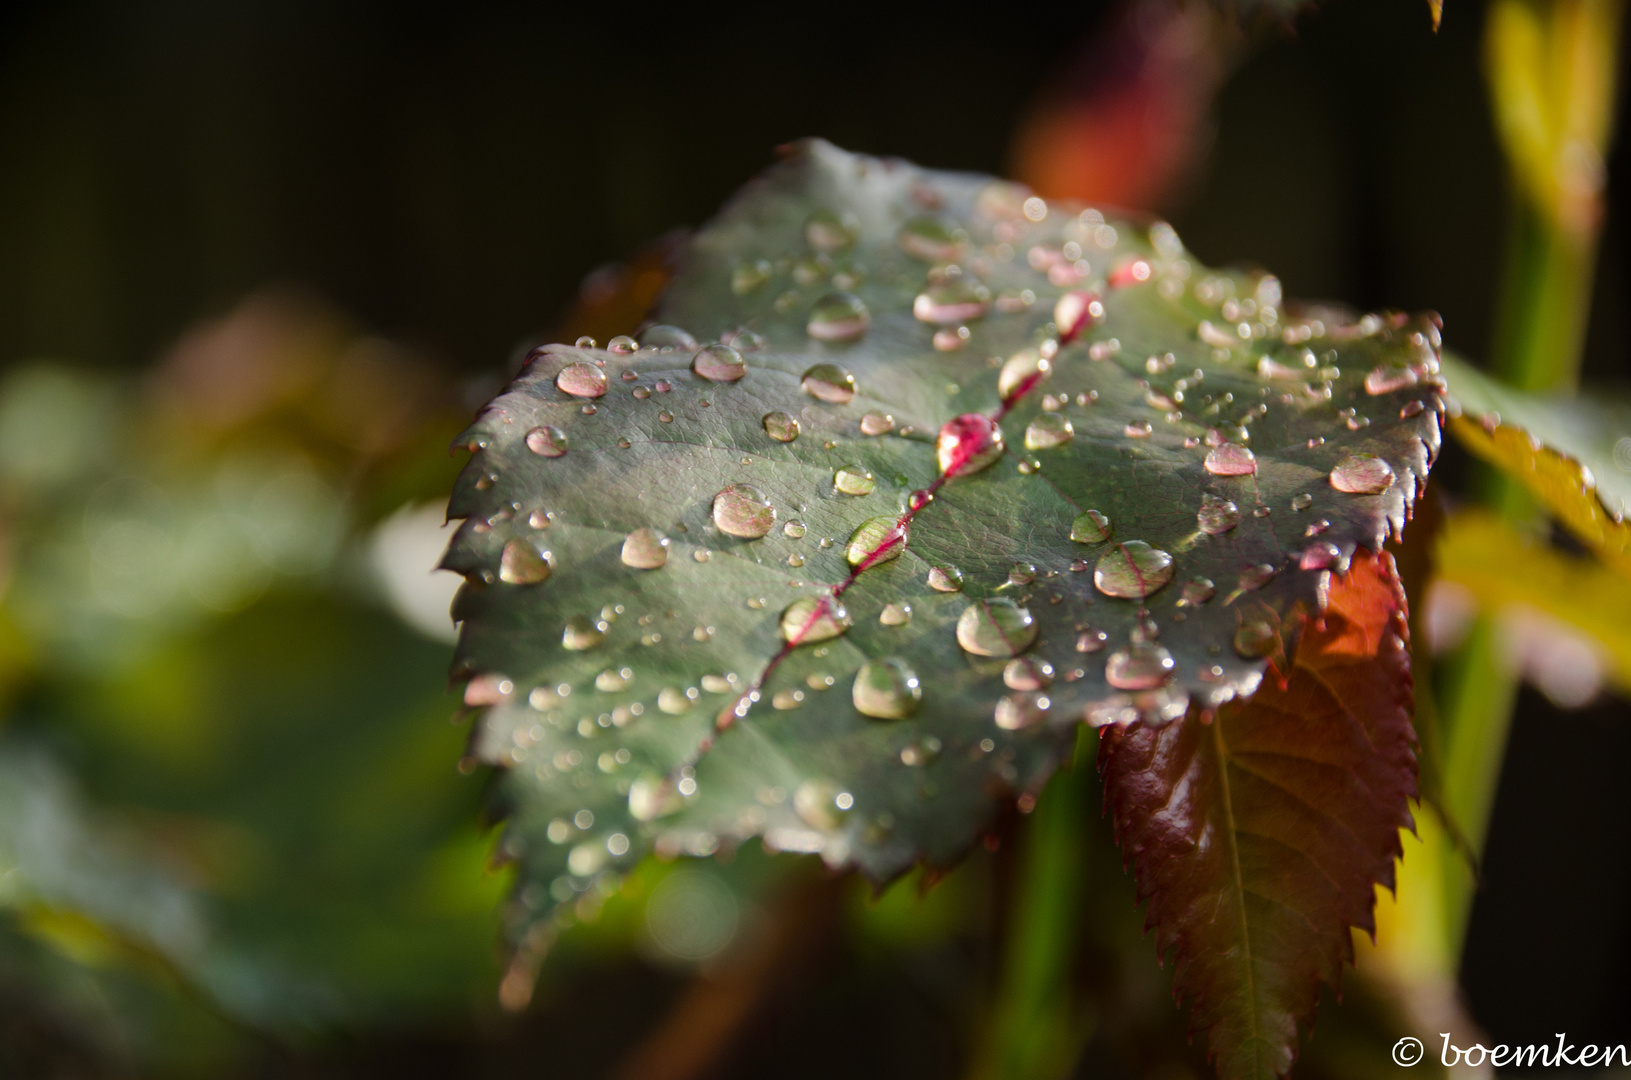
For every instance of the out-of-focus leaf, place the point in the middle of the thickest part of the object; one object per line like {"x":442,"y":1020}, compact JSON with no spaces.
{"x":1259,"y":838}
{"x":623,"y":621}
{"x":1502,"y":567}
{"x":1573,"y":453}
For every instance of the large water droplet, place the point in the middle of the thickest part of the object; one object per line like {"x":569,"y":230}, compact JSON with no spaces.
{"x":829,"y":383}
{"x":998,"y":627}
{"x":581,"y":634}
{"x":719,"y":363}
{"x":945,"y":579}
{"x":1217,"y":516}
{"x":887,"y":690}
{"x":522,"y":563}
{"x":663,"y":336}
{"x":645,"y":549}
{"x":897,"y":614}
{"x":1027,"y":673}
{"x":1016,"y":712}
{"x":1132,"y":570}
{"x":838,"y":316}
{"x":933,"y":240}
{"x":581,"y":380}
{"x":1023,"y":368}
{"x":743,"y":511}
{"x":1048,"y":432}
{"x":952,"y":302}
{"x":547,"y":441}
{"x":1139,"y":667}
{"x":813,"y":618}
{"x":1231,"y":460}
{"x":781,"y":427}
{"x":1255,"y":639}
{"x":878,"y":540}
{"x":828,"y":230}
{"x":967,"y":444}
{"x":853,"y":480}
{"x":1090,"y":527}
{"x":1362,"y":474}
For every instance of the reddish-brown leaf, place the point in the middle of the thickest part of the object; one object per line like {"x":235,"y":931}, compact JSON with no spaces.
{"x":1258,"y":838}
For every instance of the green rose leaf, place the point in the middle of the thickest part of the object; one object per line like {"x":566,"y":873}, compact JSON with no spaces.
{"x":934,"y":472}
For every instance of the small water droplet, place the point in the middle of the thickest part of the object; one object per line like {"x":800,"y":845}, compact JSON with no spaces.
{"x":950,"y":339}
{"x":945,"y":579}
{"x":919,"y":499}
{"x":794,"y":529}
{"x":1048,"y":432}
{"x":547,"y":441}
{"x":829,"y":231}
{"x":523,"y":564}
{"x":581,"y":634}
{"x":998,"y":627}
{"x":645,"y":549}
{"x":829,"y":383}
{"x":933,"y":240}
{"x":1020,"y":370}
{"x":1255,"y":577}
{"x":1138,"y":429}
{"x":664,"y":336}
{"x":1090,"y":640}
{"x":853,"y":480}
{"x":1384,"y":380}
{"x":1362,"y":474}
{"x":1231,"y":460}
{"x":877,"y":423}
{"x":622,"y":345}
{"x":1027,"y":673}
{"x":1015,"y":712}
{"x":1322,"y":555}
{"x":750,"y":276}
{"x":1090,"y":527}
{"x":1217,"y":516}
{"x":887,"y":689}
{"x":538,"y":519}
{"x":967,"y":444}
{"x":813,"y":618}
{"x":719,"y":363}
{"x":817,"y":803}
{"x":1302,"y":501}
{"x":838,"y":316}
{"x":1139,"y":667}
{"x":1317,"y":527}
{"x":780,"y":426}
{"x":1132,"y":570}
{"x":876,"y":541}
{"x":897,"y":614}
{"x":1197,"y":592}
{"x":673,"y":702}
{"x":950,"y":302}
{"x":1255,"y":639}
{"x":743,"y":511}
{"x":1075,"y":312}
{"x":665,"y":416}
{"x":641,"y":393}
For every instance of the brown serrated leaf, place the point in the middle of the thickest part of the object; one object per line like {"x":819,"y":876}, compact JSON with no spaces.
{"x":1259,"y":838}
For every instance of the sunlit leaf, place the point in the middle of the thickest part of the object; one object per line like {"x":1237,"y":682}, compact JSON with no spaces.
{"x":704,"y":603}
{"x":1572,"y":453}
{"x":1258,"y":839}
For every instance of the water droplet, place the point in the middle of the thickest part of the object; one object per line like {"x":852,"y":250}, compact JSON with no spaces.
{"x":1255,"y":577}
{"x":948,"y":303}
{"x":917,"y":500}
{"x":827,"y":230}
{"x":547,"y":441}
{"x":1255,"y":639}
{"x":1021,"y":574}
{"x":830,"y":383}
{"x":794,"y":529}
{"x":896,"y":614}
{"x":1362,"y":474}
{"x":750,"y":276}
{"x":743,"y":511}
{"x":1048,"y":432}
{"x":1132,"y":570}
{"x":950,"y":339}
{"x":1217,"y":516}
{"x":673,"y":702}
{"x":821,"y":805}
{"x":640,"y":393}
{"x":780,"y":426}
{"x":1075,"y":312}
{"x":719,"y":363}
{"x":665,"y":416}
{"x":523,"y":564}
{"x":1231,"y":460}
{"x":645,"y":549}
{"x":1090,"y":640}
{"x":967,"y":444}
{"x":1138,"y":429}
{"x":887,"y":690}
{"x":813,"y":618}
{"x":877,"y":423}
{"x":1384,"y":380}
{"x":933,"y":240}
{"x":581,"y":634}
{"x":1022,"y":369}
{"x":1139,"y":667}
{"x":1090,"y":527}
{"x":853,"y":480}
{"x":998,"y":627}
{"x":1322,"y":555}
{"x":876,"y":541}
{"x":945,"y":579}
{"x":838,"y":316}
{"x":1197,"y":592}
{"x":1015,"y":712}
{"x":1302,"y":501}
{"x":581,"y":380}
{"x":1026,"y":673}
{"x":622,"y":345}
{"x":1411,"y":408}
{"x":664,"y":336}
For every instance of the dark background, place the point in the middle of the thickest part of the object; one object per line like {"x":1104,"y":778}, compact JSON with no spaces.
{"x":447,"y":176}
